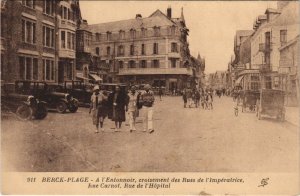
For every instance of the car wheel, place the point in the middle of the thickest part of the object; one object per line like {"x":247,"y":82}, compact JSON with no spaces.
{"x":41,"y":112}
{"x":73,"y":108}
{"x":61,"y":107}
{"x":24,"y":112}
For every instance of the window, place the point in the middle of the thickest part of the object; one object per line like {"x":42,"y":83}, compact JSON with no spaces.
{"x":155,"y":64}
{"x":48,"y":70}
{"x":132,"y":33}
{"x":108,"y":50}
{"x":143,"y":32}
{"x":98,"y":51}
{"x":121,"y":50}
{"x":108,"y":36}
{"x":155,"y":48}
{"x":283,"y":36}
{"x":28,"y":32}
{"x":28,"y":68}
{"x":122,"y":34}
{"x":63,"y":39}
{"x":64,"y":13}
{"x":121,"y":64}
{"x":173,"y":63}
{"x":69,"y":40}
{"x":98,"y":37}
{"x":173,"y":30}
{"x":48,"y":36}
{"x":143,"y":64}
{"x":131,"y":49}
{"x":29,"y":3}
{"x":131,"y":64}
{"x":48,"y":7}
{"x":174,"y":47}
{"x":156,"y":31}
{"x":143,"y":49}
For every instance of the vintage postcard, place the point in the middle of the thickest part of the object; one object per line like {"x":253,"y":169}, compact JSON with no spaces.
{"x":150,"y":97}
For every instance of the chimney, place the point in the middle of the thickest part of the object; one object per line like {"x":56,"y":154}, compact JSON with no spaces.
{"x":169,"y":12}
{"x":138,"y":16}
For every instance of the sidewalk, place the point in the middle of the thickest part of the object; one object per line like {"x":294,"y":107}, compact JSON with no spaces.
{"x":292,"y":115}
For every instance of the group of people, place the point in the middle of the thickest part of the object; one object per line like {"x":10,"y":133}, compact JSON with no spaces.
{"x":114,"y":105}
{"x":197,"y":97}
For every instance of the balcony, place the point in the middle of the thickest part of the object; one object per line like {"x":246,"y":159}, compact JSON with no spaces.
{"x":174,"y":55}
{"x":291,"y":70}
{"x":155,"y":71}
{"x":264,"y":47}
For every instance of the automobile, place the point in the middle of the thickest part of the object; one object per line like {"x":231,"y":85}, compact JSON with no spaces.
{"x":78,"y":90}
{"x":48,"y":92}
{"x":26,"y":107}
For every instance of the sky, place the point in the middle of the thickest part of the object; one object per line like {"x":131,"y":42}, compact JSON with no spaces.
{"x":212,"y":24}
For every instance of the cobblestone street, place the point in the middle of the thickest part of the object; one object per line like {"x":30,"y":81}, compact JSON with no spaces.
{"x":185,"y":139}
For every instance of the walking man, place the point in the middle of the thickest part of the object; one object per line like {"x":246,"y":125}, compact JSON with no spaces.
{"x":147,"y":99}
{"x":98,"y":108}
{"x":184,"y":97}
{"x":160,"y":93}
{"x":132,"y":107}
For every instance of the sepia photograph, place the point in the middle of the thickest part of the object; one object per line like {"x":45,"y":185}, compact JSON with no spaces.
{"x":150,"y":86}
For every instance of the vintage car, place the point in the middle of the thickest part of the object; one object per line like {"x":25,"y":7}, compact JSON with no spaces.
{"x":78,"y":90}
{"x":48,"y":93}
{"x":26,"y":107}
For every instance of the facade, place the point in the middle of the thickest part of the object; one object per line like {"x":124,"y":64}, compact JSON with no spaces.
{"x":288,"y":71}
{"x":38,"y":40}
{"x":151,"y":50}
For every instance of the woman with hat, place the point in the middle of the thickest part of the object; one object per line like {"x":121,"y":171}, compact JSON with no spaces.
{"x":98,"y":108}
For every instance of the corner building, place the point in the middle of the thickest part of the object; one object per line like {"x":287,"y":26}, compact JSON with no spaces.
{"x":150,"y":50}
{"x":38,"y":39}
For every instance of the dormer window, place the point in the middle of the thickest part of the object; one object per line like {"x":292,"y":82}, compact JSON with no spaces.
{"x":122,"y":34}
{"x":132,"y":33}
{"x":156,"y":31}
{"x":108,"y":36}
{"x":143,"y":32}
{"x":98,"y":37}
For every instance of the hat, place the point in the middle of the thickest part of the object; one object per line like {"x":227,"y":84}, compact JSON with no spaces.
{"x":147,"y":87}
{"x":133,"y":87}
{"x":96,"y":88}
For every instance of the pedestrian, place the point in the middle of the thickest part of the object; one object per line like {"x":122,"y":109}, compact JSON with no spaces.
{"x":209,"y":99}
{"x":98,"y":107}
{"x":118,"y":102}
{"x":189,"y":97}
{"x":160,"y":93}
{"x":147,"y":100}
{"x":197,"y":98}
{"x":184,"y":97}
{"x":132,"y":107}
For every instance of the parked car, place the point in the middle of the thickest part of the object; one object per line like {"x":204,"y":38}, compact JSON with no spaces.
{"x":26,"y":107}
{"x":78,"y":90}
{"x":48,"y":92}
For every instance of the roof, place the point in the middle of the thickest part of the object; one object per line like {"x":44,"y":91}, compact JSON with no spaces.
{"x":272,"y":10}
{"x":158,"y":19}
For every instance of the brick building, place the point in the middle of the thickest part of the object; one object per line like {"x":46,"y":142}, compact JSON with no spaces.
{"x":151,"y":50}
{"x":38,"y":39}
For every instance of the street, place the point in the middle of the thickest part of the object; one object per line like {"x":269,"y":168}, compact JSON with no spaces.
{"x":185,"y":140}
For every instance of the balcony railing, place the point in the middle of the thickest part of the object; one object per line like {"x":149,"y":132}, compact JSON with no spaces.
{"x":264,"y":47}
{"x":264,"y":68}
{"x":156,"y":71}
{"x":288,"y":70}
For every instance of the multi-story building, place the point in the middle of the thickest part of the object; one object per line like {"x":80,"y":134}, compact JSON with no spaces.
{"x":38,"y":40}
{"x":288,"y":71}
{"x":272,"y":31}
{"x":151,"y":50}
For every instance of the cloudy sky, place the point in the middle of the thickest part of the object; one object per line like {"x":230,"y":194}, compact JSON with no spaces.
{"x":212,"y":24}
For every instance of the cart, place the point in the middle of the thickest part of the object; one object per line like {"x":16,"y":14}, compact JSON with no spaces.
{"x":271,"y":103}
{"x":248,"y":99}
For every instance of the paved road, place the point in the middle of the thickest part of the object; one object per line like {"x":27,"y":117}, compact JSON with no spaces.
{"x":185,"y":139}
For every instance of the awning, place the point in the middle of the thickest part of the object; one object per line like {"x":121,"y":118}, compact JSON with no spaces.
{"x":80,"y":76}
{"x":238,"y":81}
{"x":95,"y":77}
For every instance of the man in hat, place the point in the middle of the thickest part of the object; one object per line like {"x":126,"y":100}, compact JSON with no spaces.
{"x":147,"y":99}
{"x":132,"y":107}
{"x":98,"y":108}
